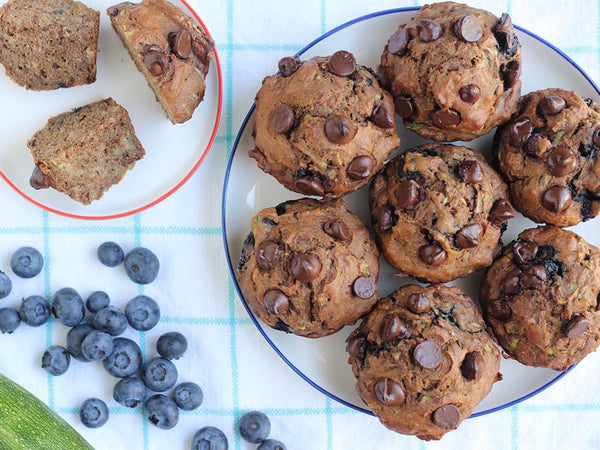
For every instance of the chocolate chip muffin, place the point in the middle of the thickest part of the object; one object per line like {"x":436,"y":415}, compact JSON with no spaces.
{"x":549,"y":155}
{"x":453,"y":71}
{"x":541,"y":298}
{"x":438,"y":212}
{"x":308,"y":267}
{"x":423,"y":360}
{"x":324,"y":126}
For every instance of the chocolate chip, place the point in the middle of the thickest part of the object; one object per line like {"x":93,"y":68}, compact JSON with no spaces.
{"x":533,"y":144}
{"x":576,"y":327}
{"x":556,"y":199}
{"x":470,"y":171}
{"x":510,"y":283}
{"x":276,"y":302}
{"x":389,"y":392}
{"x":360,"y":168}
{"x":392,"y":327}
{"x":259,"y":157}
{"x":446,"y":118}
{"x":418,"y":303}
{"x":398,"y":43}
{"x":500,"y":310}
{"x":472,"y":366}
{"x":181,"y":43}
{"x":524,"y":251}
{"x":282,"y":118}
{"x":342,"y":63}
{"x":447,"y":417}
{"x":469,"y":93}
{"x":266,"y":254}
{"x":501,"y":211}
{"x":551,"y":105}
{"x":432,"y":255}
{"x":533,"y":276}
{"x":309,"y":186}
{"x":288,"y":65}
{"x":338,"y":229}
{"x":428,"y":30}
{"x":156,"y":62}
{"x":561,"y":161}
{"x":510,"y":73}
{"x":504,"y":33}
{"x":427,"y":354}
{"x":468,"y":236}
{"x":38,"y":179}
{"x":383,"y":115}
{"x":404,"y":106}
{"x":340,"y":129}
{"x":408,"y":194}
{"x":519,"y":131}
{"x":385,"y":220}
{"x":596,"y":137}
{"x":357,"y":347}
{"x":468,"y":28}
{"x":364,"y":287}
{"x":305,"y":267}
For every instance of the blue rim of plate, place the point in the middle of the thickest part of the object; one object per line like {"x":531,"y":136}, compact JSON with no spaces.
{"x":224,"y":212}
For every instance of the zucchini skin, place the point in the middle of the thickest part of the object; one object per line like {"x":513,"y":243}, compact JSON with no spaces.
{"x":27,"y":423}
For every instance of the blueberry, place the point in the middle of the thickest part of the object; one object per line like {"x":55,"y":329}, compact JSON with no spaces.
{"x":93,"y":413}
{"x":5,"y":285}
{"x":26,"y":262}
{"x":142,"y":312}
{"x":161,"y":411}
{"x":9,"y":320}
{"x":271,"y":444}
{"x":97,"y":345}
{"x":141,"y":265}
{"x":188,"y":396}
{"x":110,"y":254}
{"x":171,"y":345}
{"x":129,"y":392}
{"x":97,"y":300}
{"x":67,"y":306}
{"x":56,"y":360}
{"x":34,"y":310}
{"x":74,"y":338}
{"x":254,"y":427}
{"x":209,"y":438}
{"x":125,"y":359}
{"x":159,"y":374}
{"x":110,"y":320}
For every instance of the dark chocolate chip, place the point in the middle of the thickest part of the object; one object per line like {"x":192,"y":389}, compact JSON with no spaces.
{"x":306,"y":267}
{"x":468,"y":28}
{"x":446,"y":118}
{"x":38,"y":179}
{"x":338,"y":229}
{"x":510,"y":73}
{"x":596,"y":137}
{"x":282,"y":118}
{"x":398,"y":43}
{"x":510,"y":283}
{"x":505,"y":33}
{"x":288,"y":65}
{"x":519,"y":131}
{"x":383,"y":113}
{"x":561,"y":161}
{"x":389,"y":392}
{"x":533,"y":144}
{"x":360,"y":168}
{"x":470,"y":171}
{"x":385,"y":220}
{"x":427,"y":354}
{"x":524,"y":251}
{"x":432,"y":255}
{"x":468,"y":236}
{"x":156,"y":62}
{"x":533,"y":276}
{"x":364,"y":287}
{"x":551,"y":105}
{"x":340,"y":129}
{"x":181,"y":44}
{"x":469,"y":93}
{"x":447,"y":417}
{"x":309,"y":186}
{"x":576,"y":327}
{"x":428,"y":30}
{"x":266,"y":254}
{"x":357,"y":346}
{"x":408,"y":194}
{"x":500,"y":310}
{"x":556,"y":199}
{"x":276,"y":302}
{"x":472,"y":366}
{"x":418,"y":303}
{"x":404,"y":106}
{"x":392,"y":327}
{"x":342,"y":63}
{"x":501,"y":211}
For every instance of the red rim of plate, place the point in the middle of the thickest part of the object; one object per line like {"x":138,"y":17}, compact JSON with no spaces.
{"x":180,"y":183}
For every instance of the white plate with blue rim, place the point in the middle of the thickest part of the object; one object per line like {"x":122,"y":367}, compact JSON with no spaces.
{"x":323,"y":362}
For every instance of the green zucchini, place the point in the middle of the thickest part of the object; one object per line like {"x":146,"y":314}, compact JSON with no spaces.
{"x":27,"y":423}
